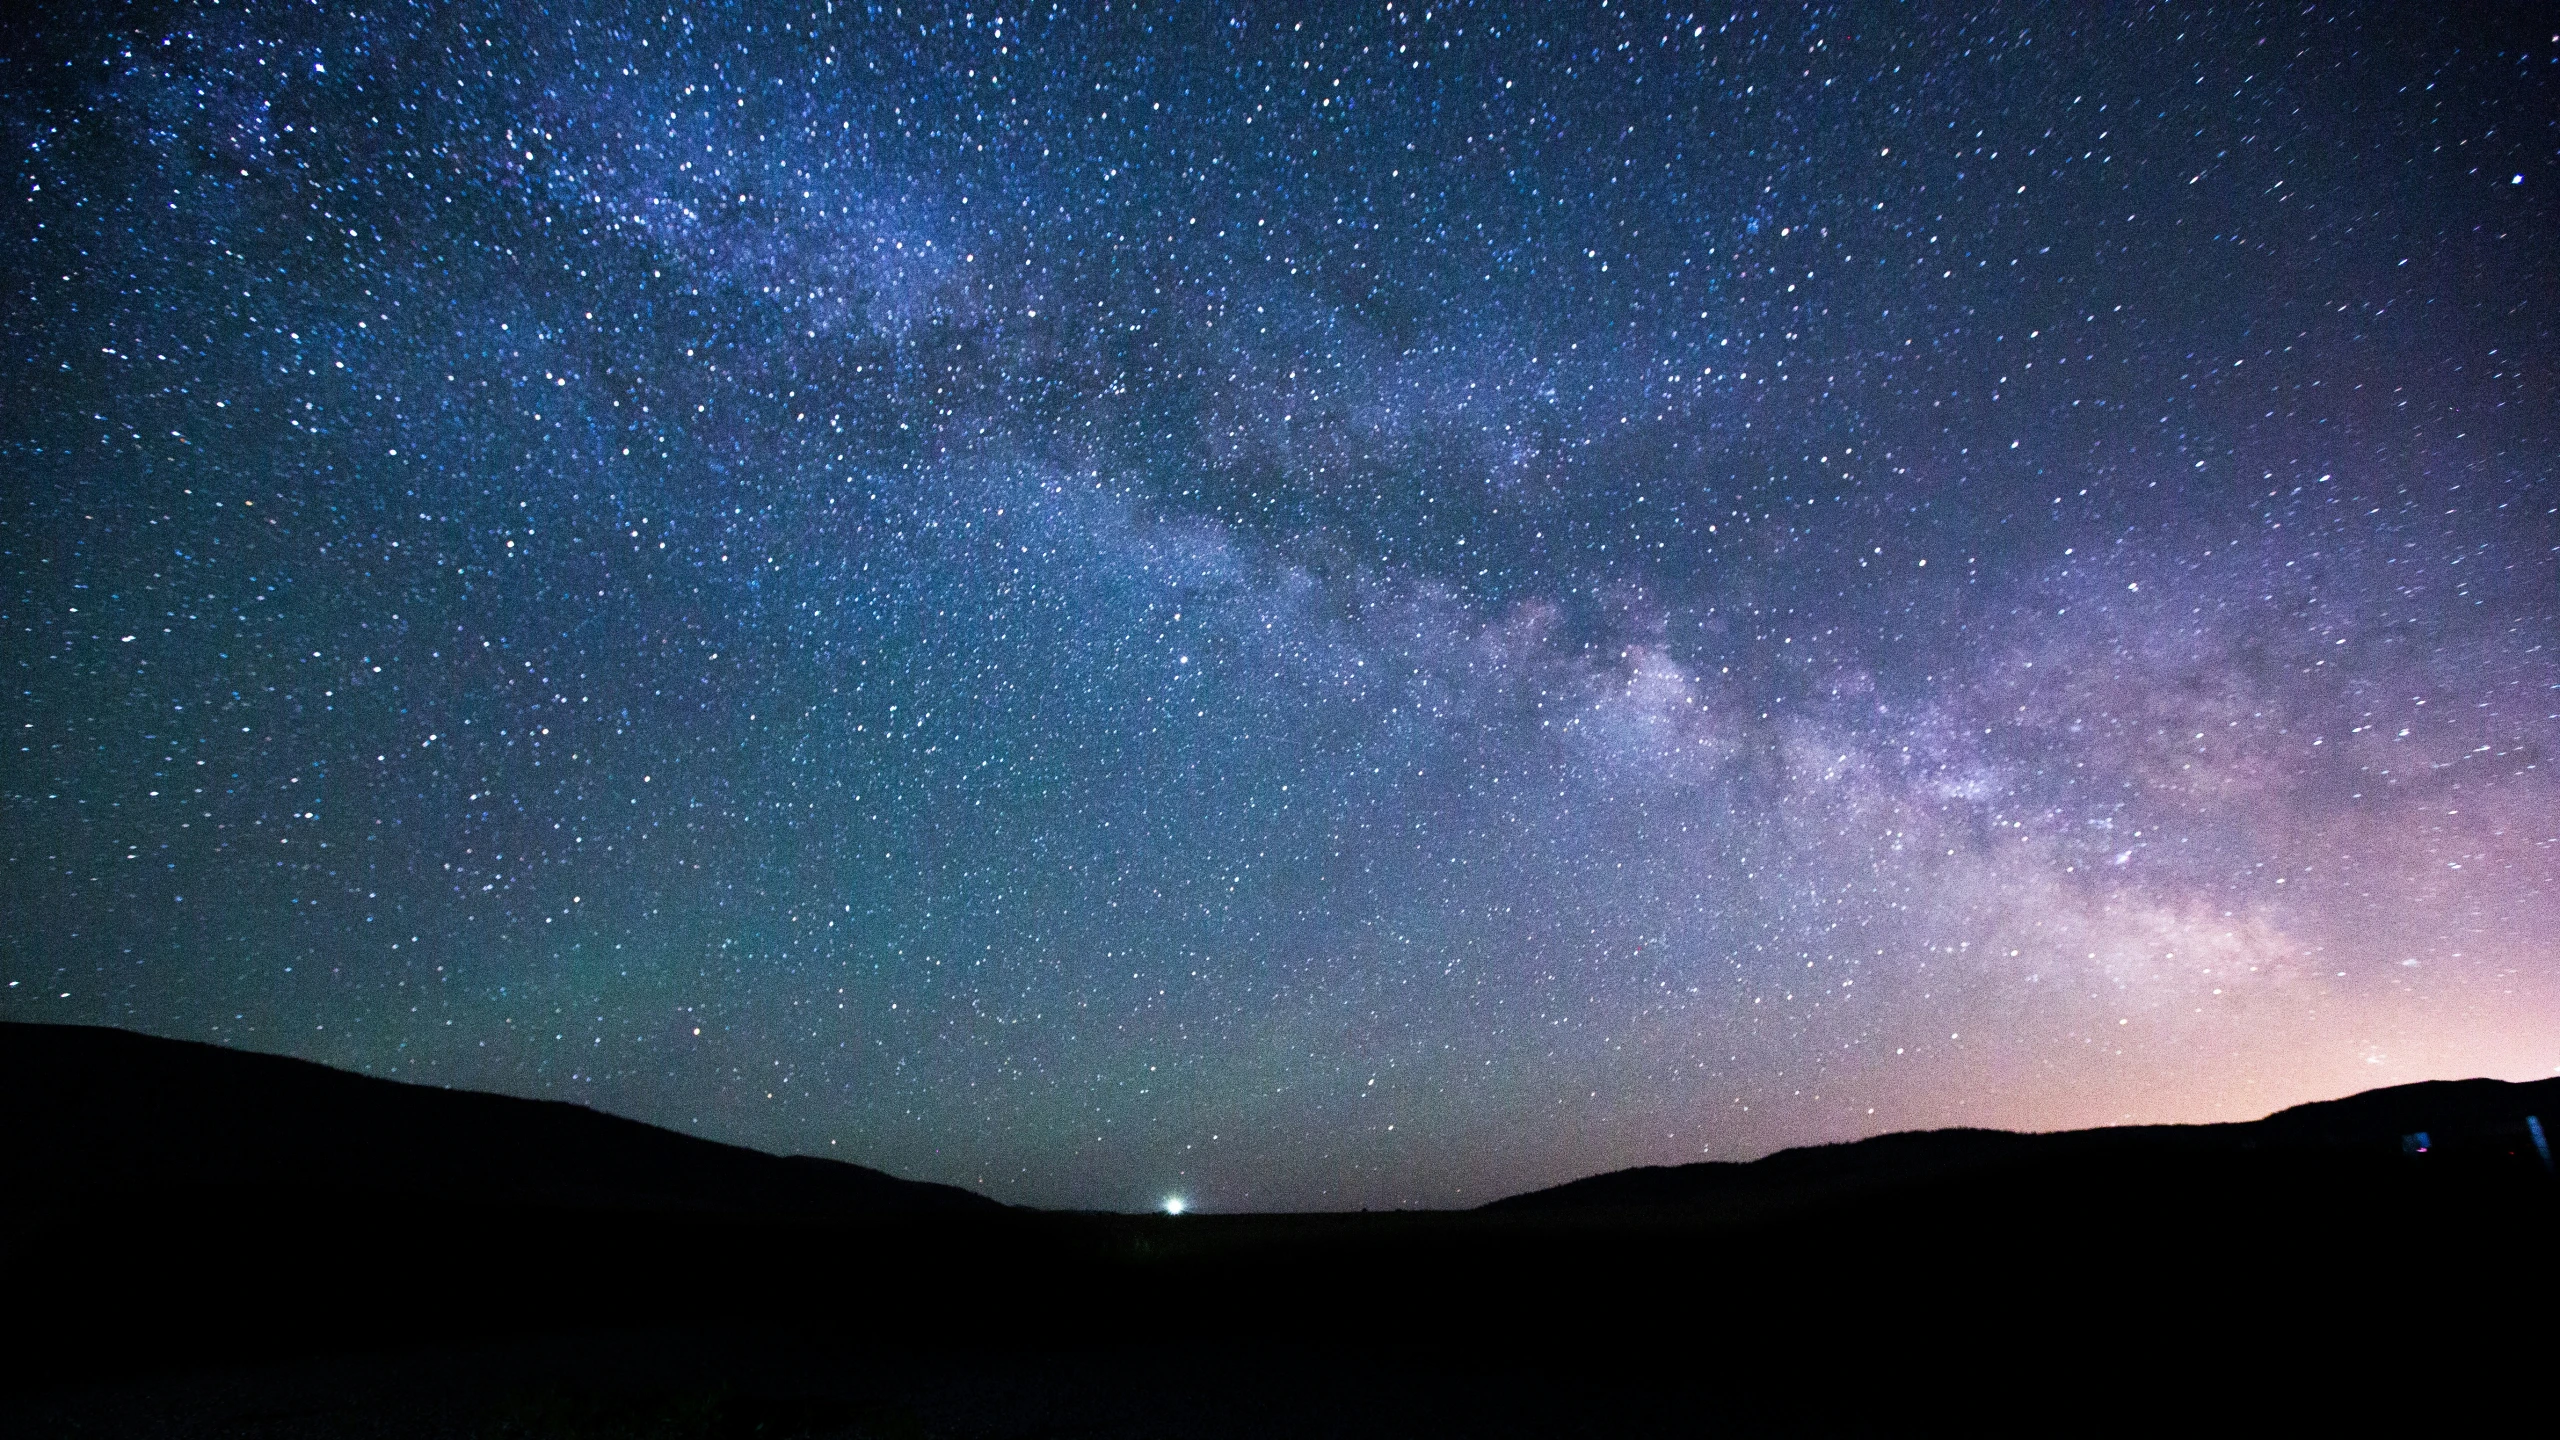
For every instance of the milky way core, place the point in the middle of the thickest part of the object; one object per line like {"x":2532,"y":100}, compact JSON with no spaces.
{"x":1299,"y":606}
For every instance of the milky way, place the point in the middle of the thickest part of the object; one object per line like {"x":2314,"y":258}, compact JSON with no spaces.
{"x":1299,"y":608}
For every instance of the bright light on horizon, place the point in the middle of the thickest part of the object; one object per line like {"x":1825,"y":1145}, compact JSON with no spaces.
{"x":1174,"y":1204}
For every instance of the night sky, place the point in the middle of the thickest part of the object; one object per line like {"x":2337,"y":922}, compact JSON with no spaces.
{"x":1305,"y":607}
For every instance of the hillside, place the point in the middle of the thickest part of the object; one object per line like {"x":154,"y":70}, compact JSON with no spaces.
{"x":2471,"y":1125}
{"x":93,"y":1113}
{"x":263,"y":1225}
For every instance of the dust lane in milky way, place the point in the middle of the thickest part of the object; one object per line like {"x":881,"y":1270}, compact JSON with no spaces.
{"x":1318,"y":607}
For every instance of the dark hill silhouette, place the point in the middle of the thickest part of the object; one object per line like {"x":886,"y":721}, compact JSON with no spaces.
{"x":93,"y":1113}
{"x":2470,"y":1124}
{"x":176,"y":1207}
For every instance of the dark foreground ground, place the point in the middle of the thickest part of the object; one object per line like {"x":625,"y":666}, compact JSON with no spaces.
{"x":2307,"y":1268}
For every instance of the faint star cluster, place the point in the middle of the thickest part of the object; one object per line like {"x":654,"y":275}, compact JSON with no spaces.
{"x":1378,"y":604}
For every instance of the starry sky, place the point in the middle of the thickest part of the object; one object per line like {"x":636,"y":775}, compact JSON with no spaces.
{"x":1298,"y":606}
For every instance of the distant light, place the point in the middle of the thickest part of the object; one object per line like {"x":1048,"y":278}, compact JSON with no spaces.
{"x":1174,"y":1204}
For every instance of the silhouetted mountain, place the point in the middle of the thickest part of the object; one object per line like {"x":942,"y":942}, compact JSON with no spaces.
{"x":92,"y":1113}
{"x":175,"y":1208}
{"x":2464,"y":1123}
